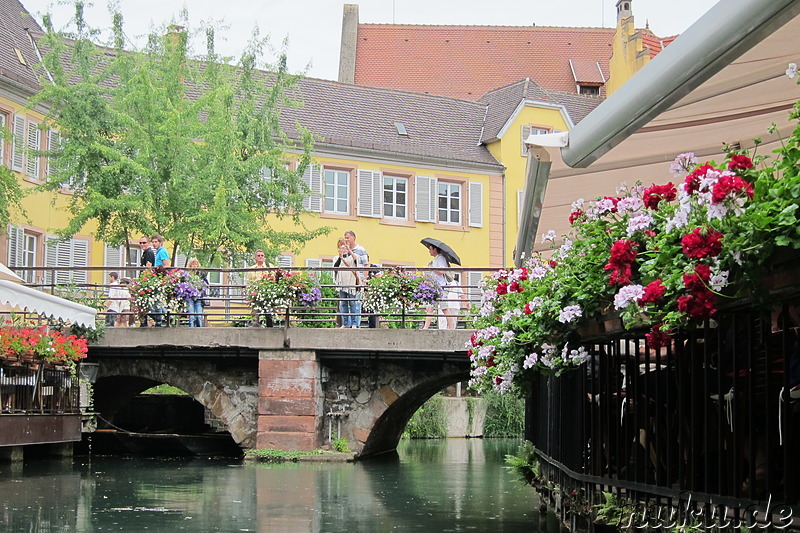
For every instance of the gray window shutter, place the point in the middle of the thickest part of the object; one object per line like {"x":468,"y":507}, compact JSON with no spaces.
{"x":285,"y":261}
{"x":16,"y":240}
{"x":80,"y":258}
{"x":475,"y":204}
{"x":18,"y":144}
{"x":180,"y":260}
{"x":425,"y":204}
{"x":33,"y":139}
{"x":526,"y":132}
{"x":370,"y":193}
{"x":312,"y":177}
{"x":313,"y":262}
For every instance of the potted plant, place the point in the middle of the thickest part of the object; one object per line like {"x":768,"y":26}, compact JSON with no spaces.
{"x":659,"y":256}
{"x":280,"y":289}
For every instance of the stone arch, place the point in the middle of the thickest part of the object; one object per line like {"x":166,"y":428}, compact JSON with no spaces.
{"x":377,"y":402}
{"x":231,"y":394}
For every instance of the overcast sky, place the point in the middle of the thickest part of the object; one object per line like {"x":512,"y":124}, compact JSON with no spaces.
{"x":313,"y":27}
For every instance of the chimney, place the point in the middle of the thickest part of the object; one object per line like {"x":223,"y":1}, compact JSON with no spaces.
{"x":623,"y":10}
{"x":347,"y":51}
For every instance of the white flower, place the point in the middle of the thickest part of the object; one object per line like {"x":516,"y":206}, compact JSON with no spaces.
{"x":629,"y":204}
{"x":550,"y":236}
{"x":606,"y":205}
{"x":628,"y":295}
{"x":719,"y":280}
{"x":569,"y":313}
{"x":508,"y":336}
{"x":639,"y":222}
{"x":577,"y":205}
{"x":792,"y":70}
{"x":530,"y":360}
{"x":683,"y":164}
{"x":564,"y":249}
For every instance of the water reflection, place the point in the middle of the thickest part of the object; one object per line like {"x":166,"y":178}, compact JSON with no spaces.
{"x":453,"y":485}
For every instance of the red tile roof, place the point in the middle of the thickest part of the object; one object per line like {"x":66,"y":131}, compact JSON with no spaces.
{"x":469,"y":61}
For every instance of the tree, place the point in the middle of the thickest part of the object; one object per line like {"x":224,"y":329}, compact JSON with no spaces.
{"x":10,"y":193}
{"x":158,"y":141}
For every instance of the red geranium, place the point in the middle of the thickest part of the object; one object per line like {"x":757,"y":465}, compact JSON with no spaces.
{"x":692,"y":181}
{"x":740,"y":162}
{"x":702,"y":243}
{"x":502,"y":288}
{"x":653,"y":195}
{"x":653,"y":292}
{"x":727,"y":185}
{"x":576,"y":216}
{"x":698,"y":305}
{"x":657,"y":338}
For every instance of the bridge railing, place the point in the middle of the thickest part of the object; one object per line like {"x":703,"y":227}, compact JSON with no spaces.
{"x":228,"y":306}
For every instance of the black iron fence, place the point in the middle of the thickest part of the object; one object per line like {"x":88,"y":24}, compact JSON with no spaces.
{"x":227,"y":303}
{"x":708,"y":427}
{"x":36,"y":388}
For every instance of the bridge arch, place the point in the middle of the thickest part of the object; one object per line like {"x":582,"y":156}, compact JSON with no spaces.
{"x":371,"y":406}
{"x":229,"y":392}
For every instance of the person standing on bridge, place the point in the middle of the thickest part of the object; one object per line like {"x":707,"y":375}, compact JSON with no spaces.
{"x":148,"y":259}
{"x":347,"y":282}
{"x":162,"y":255}
{"x":352,"y":247}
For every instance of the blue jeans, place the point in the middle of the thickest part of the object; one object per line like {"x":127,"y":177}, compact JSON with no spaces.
{"x":350,"y":307}
{"x":195,"y":310}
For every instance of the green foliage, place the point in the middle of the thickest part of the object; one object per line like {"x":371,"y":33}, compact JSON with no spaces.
{"x":165,"y":389}
{"x":470,"y":411}
{"x":340,"y":445}
{"x":612,"y":511}
{"x":429,"y":421}
{"x":71,"y":291}
{"x":11,"y":193}
{"x":271,"y":455}
{"x":524,"y":464}
{"x":505,"y":415}
{"x":158,"y":140}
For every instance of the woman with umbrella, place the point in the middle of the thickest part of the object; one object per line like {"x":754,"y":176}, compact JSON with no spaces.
{"x":449,"y":304}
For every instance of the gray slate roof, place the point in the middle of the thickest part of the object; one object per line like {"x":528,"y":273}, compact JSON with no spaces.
{"x":503,"y":101}
{"x":14,"y":20}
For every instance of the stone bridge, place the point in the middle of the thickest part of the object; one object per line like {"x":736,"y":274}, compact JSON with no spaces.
{"x":291,"y":389}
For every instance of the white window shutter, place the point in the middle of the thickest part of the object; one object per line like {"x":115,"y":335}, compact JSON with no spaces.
{"x":180,"y":260}
{"x":370,"y":193}
{"x":53,"y":143}
{"x":16,"y":240}
{"x":312,"y":177}
{"x":33,"y":140}
{"x":285,"y":261}
{"x":18,"y":144}
{"x":473,"y":278}
{"x":526,"y":132}
{"x":520,"y":203}
{"x":475,"y":204}
{"x":313,"y":262}
{"x":425,"y":201}
{"x":80,"y":258}
{"x":2,"y":141}
{"x":112,"y":255}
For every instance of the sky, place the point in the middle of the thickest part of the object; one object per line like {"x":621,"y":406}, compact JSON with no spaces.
{"x":313,"y":27}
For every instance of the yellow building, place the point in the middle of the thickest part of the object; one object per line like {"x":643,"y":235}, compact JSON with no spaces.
{"x":392,"y":166}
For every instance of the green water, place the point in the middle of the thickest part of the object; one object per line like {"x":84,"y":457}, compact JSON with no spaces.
{"x":431,"y":486}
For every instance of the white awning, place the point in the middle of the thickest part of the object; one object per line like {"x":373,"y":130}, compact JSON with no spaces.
{"x":27,"y":299}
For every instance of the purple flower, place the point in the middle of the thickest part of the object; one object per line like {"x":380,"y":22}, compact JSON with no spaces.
{"x":310,"y":298}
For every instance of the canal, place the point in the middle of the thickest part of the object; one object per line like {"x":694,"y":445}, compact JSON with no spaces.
{"x":430,"y":485}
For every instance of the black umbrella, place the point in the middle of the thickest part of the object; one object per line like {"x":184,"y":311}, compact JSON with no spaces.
{"x":445,"y":250}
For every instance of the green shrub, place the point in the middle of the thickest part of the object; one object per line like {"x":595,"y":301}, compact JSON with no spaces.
{"x":340,"y":445}
{"x":429,"y":422}
{"x":505,"y":415}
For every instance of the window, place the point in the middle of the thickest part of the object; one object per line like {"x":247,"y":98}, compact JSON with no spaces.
{"x":449,"y":203}
{"x":395,"y":197}
{"x":589,"y":90}
{"x":114,"y":256}
{"x":29,"y":256}
{"x":527,"y":131}
{"x":337,"y":192}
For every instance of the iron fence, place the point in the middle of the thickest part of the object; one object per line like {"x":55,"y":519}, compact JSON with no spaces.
{"x":707,"y":427}
{"x":228,"y":306}
{"x":34,"y":388}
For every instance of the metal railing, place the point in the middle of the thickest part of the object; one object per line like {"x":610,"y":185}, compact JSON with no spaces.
{"x":710,"y":425}
{"x":34,"y":388}
{"x":228,"y":306}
